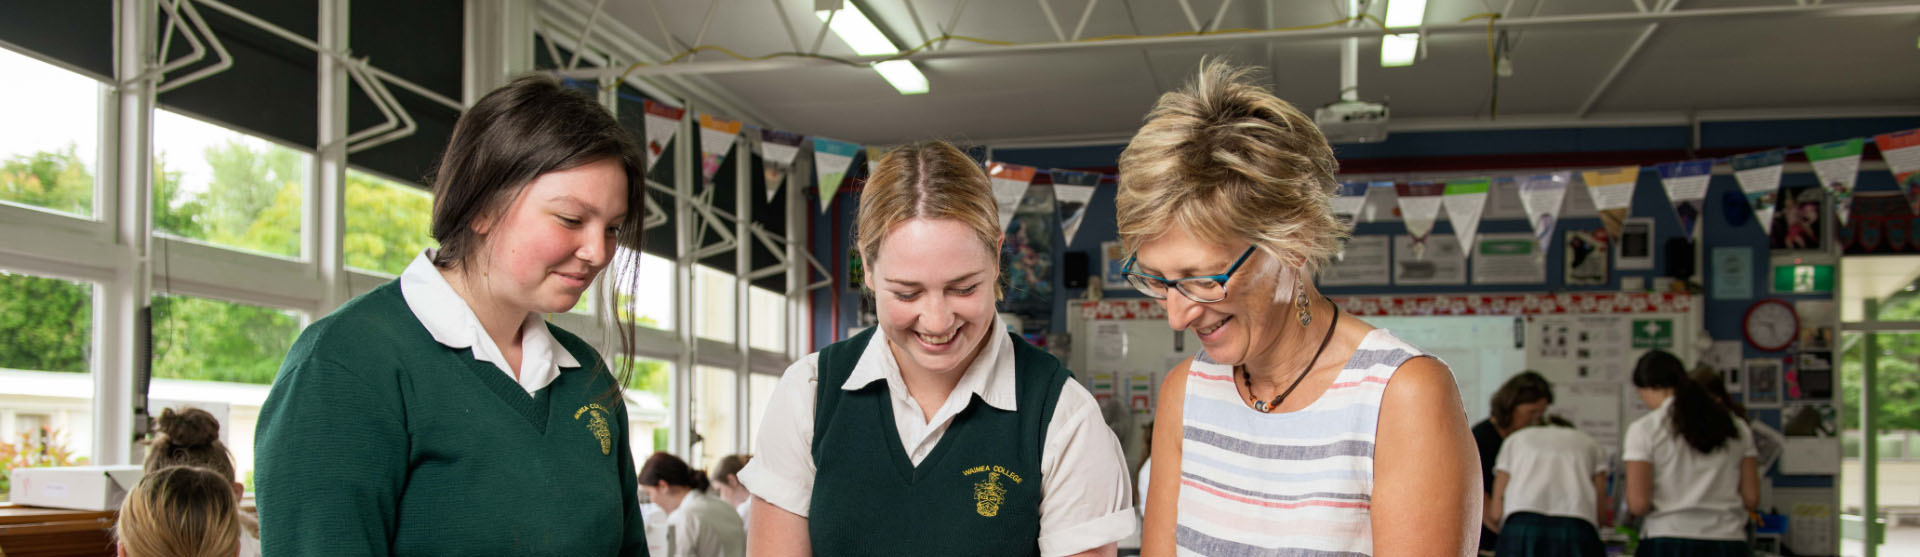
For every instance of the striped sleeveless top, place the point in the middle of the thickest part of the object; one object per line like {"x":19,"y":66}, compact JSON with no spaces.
{"x":1294,"y":484}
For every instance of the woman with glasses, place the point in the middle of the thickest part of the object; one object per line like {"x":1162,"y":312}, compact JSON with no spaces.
{"x":936,"y":432}
{"x":1297,"y":429}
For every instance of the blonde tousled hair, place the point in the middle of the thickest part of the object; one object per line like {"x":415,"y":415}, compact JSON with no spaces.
{"x":180,"y":511}
{"x":1225,"y":160}
{"x":930,"y":180}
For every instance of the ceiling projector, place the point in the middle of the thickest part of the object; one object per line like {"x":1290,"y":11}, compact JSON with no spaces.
{"x":1352,"y":121}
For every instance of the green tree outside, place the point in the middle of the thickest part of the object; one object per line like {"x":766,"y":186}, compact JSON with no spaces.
{"x":1898,"y":375}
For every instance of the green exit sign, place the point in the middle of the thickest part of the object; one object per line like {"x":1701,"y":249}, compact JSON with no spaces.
{"x":1803,"y":279}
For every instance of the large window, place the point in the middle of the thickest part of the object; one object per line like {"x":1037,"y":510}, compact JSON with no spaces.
{"x":649,"y":405}
{"x":713,"y":416}
{"x":767,"y":311}
{"x":225,"y":187}
{"x":49,"y":135}
{"x":220,"y":356}
{"x":387,"y":223}
{"x":759,"y":391}
{"x":649,"y":300}
{"x":46,"y":393}
{"x":713,"y":291}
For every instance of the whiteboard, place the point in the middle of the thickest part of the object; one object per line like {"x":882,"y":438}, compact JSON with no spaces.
{"x":1482,"y":351}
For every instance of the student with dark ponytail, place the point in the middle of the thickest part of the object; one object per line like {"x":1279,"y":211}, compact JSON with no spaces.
{"x":698,"y":524}
{"x":1691,"y":468}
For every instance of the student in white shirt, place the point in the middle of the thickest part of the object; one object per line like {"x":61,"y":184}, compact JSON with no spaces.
{"x":1691,"y":468}
{"x":1549,"y":486}
{"x":698,"y":524}
{"x":936,"y":432}
{"x":726,"y":481}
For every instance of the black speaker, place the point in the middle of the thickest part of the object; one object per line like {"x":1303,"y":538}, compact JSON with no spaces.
{"x":1679,"y":258}
{"x":1075,"y":269}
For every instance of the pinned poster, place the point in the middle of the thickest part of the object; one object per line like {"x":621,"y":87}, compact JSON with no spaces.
{"x":662,"y":121}
{"x":1071,"y":191}
{"x":777,"y":150}
{"x":1686,"y":184}
{"x":1837,"y":164}
{"x":1759,"y":176}
{"x":1010,"y":183}
{"x":1464,"y":200}
{"x":1612,"y":192}
{"x":1902,"y":152}
{"x":1542,"y":195}
{"x":830,"y":161}
{"x":716,"y":140}
{"x":1419,"y":206}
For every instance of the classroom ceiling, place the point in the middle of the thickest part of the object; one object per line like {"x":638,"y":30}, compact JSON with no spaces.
{"x":1804,"y":64}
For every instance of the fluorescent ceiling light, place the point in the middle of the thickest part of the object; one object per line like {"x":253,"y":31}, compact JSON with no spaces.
{"x":1397,"y":51}
{"x":866,"y":39}
{"x":1406,"y":13}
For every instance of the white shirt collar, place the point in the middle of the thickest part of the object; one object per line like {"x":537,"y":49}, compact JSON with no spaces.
{"x":452,"y":323}
{"x":991,"y":375}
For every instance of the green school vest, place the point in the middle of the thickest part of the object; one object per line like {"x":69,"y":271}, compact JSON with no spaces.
{"x":977,"y":493}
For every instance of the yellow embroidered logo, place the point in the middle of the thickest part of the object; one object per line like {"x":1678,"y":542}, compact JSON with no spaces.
{"x":598,"y":425}
{"x":988,"y":494}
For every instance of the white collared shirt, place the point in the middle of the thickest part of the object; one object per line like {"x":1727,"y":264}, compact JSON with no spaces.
{"x":451,"y":321}
{"x":1695,"y":495}
{"x":1085,"y":497}
{"x":1550,"y":471}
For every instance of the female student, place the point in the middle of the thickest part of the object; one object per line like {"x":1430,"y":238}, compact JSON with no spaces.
{"x":726,"y":480}
{"x":191,"y":437}
{"x":1691,"y":467}
{"x":440,"y":413}
{"x":1549,"y":491}
{"x":1297,"y":429}
{"x":180,"y":511}
{"x":699,"y":525}
{"x":1519,"y":403}
{"x":936,"y":432}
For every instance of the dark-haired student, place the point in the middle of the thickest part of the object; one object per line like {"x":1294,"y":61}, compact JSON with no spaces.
{"x":698,"y":524}
{"x":440,"y":414}
{"x":1519,"y":402}
{"x":1691,"y":467}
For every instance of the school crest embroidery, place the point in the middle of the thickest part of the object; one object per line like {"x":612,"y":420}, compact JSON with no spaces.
{"x":597,"y":423}
{"x":988,"y":493}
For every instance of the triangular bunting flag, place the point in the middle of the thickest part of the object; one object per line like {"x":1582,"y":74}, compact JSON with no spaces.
{"x":777,"y":149}
{"x":830,"y":161}
{"x":1612,"y":191}
{"x":1464,"y":200}
{"x":874,"y":154}
{"x":1837,"y":163}
{"x":661,"y":122}
{"x":1071,"y":191}
{"x":716,"y":140}
{"x":1347,"y":201}
{"x":1419,"y":206}
{"x":1686,"y":185}
{"x":1902,"y":152}
{"x":1010,"y":183}
{"x":1759,"y":176}
{"x":1542,"y":196}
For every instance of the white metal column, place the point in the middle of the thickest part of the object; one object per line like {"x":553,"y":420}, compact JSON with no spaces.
{"x":742,"y":312}
{"x":116,"y":338}
{"x":498,"y":45}
{"x":324,"y":226}
{"x":684,"y":304}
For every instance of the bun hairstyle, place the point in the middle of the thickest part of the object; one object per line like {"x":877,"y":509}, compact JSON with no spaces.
{"x":1695,"y":415}
{"x":1224,"y":159}
{"x":664,"y":467}
{"x":180,"y":511}
{"x":189,"y":437}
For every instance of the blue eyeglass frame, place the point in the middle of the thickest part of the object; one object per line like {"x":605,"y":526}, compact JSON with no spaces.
{"x":1127,"y":269}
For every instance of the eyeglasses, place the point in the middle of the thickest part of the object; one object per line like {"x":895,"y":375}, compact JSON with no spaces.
{"x":1204,"y":289}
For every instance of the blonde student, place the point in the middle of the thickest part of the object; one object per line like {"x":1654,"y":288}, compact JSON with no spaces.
{"x":191,"y":437}
{"x":1297,"y":429}
{"x":936,"y":432}
{"x":1691,"y":466}
{"x":179,"y":511}
{"x":440,"y":414}
{"x":726,"y":481}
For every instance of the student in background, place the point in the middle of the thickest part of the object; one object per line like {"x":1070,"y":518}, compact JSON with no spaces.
{"x":191,"y":437}
{"x":1549,"y":486}
{"x":1716,"y":387}
{"x":1519,"y":403}
{"x":698,"y":524}
{"x":180,"y":511}
{"x":726,"y":480}
{"x":1691,"y":467}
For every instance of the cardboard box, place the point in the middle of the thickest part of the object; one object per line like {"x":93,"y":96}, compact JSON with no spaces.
{"x":87,"y":488}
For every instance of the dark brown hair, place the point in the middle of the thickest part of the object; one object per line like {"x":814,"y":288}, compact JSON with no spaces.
{"x":189,"y":437}
{"x":1702,"y":422}
{"x":514,"y":134}
{"x":729,"y":467}
{"x":664,"y":467}
{"x":1525,"y":388}
{"x":1711,"y":381}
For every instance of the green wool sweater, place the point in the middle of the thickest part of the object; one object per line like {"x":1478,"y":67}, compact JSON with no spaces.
{"x":378,"y":440}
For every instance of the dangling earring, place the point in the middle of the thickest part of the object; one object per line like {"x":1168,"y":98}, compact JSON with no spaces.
{"x":1300,"y":301}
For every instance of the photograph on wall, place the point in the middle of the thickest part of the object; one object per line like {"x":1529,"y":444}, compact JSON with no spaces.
{"x":1634,"y":250}
{"x":1817,"y":318}
{"x":1112,"y":258}
{"x":1811,"y":376}
{"x":1586,"y":259}
{"x":1026,"y":261}
{"x":1813,"y":439}
{"x":1763,"y":383}
{"x":1800,"y":223}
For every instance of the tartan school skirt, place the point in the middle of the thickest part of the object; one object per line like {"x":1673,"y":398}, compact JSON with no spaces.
{"x":1683,"y":547}
{"x":1527,"y":534}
